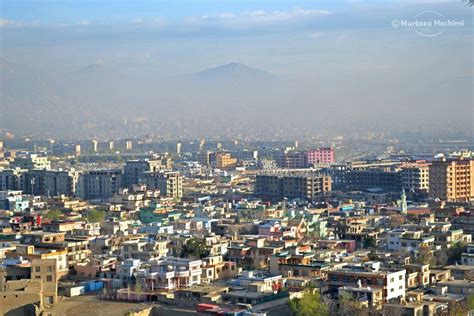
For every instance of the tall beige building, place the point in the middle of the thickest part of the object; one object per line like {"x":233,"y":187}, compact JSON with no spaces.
{"x":415,"y":176}
{"x":452,"y":180}
{"x":225,"y":161}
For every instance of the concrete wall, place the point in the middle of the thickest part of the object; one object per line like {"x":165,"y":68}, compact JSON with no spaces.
{"x":18,"y":303}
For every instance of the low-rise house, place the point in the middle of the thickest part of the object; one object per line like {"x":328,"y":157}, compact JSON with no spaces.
{"x":258,"y":288}
{"x":366,"y":296}
{"x":144,"y":249}
{"x":97,"y":266}
{"x":392,"y":282}
{"x":215,"y":268}
{"x":126,"y":269}
{"x":418,"y":275}
{"x":447,"y":237}
{"x":409,"y":240}
{"x":171,"y":273}
{"x":467,"y":258}
{"x":297,"y":264}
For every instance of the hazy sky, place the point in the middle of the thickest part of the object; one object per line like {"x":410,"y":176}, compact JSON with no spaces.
{"x":293,"y":38}
{"x":346,"y":47}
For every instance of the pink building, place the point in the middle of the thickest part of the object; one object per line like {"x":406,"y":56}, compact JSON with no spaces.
{"x":320,"y":155}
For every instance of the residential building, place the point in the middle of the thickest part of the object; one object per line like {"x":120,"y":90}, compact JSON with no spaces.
{"x":32,"y":161}
{"x":169,"y":183}
{"x":415,"y":176}
{"x":281,"y":184}
{"x":452,"y":180}
{"x":99,"y":184}
{"x":49,"y":182}
{"x":391,"y":282}
{"x":134,"y":168}
{"x":225,"y":161}
{"x":320,"y":155}
{"x":171,"y":273}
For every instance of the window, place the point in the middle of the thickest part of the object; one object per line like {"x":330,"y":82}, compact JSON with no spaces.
{"x":49,"y":278}
{"x":50,"y":269}
{"x":37,"y":269}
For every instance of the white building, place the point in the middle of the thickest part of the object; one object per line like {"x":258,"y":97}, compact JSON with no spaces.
{"x":408,"y":240}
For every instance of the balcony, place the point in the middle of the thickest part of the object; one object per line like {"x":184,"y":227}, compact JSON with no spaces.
{"x":166,"y":275}
{"x":182,"y":273}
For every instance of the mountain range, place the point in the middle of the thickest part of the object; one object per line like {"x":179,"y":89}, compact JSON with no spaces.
{"x":99,"y":93}
{"x":94,"y":98}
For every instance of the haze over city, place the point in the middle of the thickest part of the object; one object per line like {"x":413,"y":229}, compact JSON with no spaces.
{"x":203,"y":67}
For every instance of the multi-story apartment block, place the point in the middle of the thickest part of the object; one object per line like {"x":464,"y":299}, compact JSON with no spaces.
{"x":292,"y":160}
{"x":452,"y":180}
{"x":245,"y":154}
{"x":279,"y":184}
{"x":99,"y":184}
{"x":10,"y":179}
{"x":416,"y":176}
{"x":375,"y":178}
{"x":304,"y":159}
{"x":169,"y":183}
{"x":134,"y":168}
{"x":320,"y":155}
{"x":225,"y":161}
{"x":32,"y":161}
{"x":204,"y":158}
{"x":49,"y":182}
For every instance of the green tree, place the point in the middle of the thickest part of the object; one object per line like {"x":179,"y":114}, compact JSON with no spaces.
{"x":94,"y":216}
{"x":195,"y":248}
{"x":373,"y":255}
{"x":470,"y":302}
{"x":370,"y":242}
{"x":454,"y":253}
{"x":425,"y":256}
{"x":54,"y":215}
{"x":310,"y":304}
{"x":348,"y":306}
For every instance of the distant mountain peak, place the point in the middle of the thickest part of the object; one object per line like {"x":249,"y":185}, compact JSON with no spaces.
{"x":233,"y":71}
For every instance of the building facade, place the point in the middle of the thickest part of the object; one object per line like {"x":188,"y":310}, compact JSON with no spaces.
{"x":452,"y":180}
{"x":99,"y":184}
{"x":291,"y":184}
